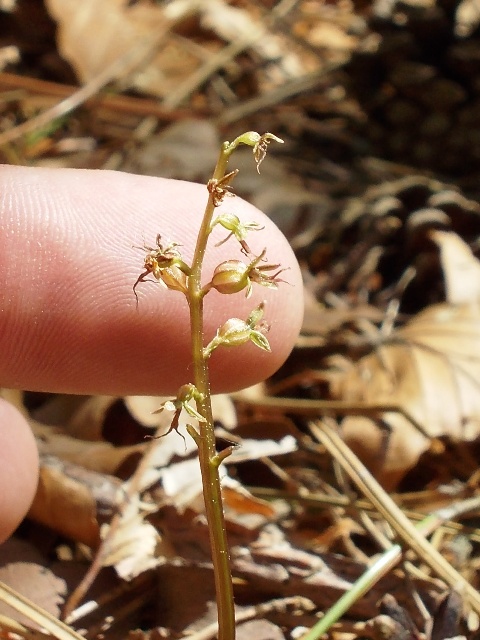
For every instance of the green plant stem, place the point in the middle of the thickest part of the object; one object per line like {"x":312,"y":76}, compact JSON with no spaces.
{"x":205,"y":439}
{"x":366,"y":581}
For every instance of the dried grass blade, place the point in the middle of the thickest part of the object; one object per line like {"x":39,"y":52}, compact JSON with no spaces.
{"x":405,"y":529}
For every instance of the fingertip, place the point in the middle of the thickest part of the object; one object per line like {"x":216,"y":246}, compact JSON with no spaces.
{"x":72,"y":301}
{"x":18,"y":468}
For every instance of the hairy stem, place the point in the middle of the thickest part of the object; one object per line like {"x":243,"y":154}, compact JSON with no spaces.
{"x":209,"y":461}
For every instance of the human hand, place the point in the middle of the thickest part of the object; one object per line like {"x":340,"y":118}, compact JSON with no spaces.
{"x":68,"y":316}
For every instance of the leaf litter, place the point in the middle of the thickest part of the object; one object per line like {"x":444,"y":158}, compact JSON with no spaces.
{"x":389,"y":348}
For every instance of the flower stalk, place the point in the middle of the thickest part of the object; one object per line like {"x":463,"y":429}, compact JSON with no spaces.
{"x":205,"y":437}
{"x":165,"y":264}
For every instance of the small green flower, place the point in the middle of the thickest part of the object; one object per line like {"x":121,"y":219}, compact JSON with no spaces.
{"x":236,"y":332}
{"x":239,"y":229}
{"x":186,"y":393}
{"x":258,"y":142}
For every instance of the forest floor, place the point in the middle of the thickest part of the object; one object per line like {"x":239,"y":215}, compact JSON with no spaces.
{"x":377,"y":189}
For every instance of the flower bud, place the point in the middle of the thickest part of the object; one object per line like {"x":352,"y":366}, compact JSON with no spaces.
{"x":234,"y":332}
{"x":228,"y":221}
{"x":250,"y":138}
{"x":231,"y":276}
{"x":256,"y":315}
{"x":239,"y":229}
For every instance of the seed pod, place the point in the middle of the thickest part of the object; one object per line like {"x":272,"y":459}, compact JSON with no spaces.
{"x":231,"y":276}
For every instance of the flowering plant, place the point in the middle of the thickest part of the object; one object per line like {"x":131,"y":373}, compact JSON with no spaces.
{"x":166,"y":265}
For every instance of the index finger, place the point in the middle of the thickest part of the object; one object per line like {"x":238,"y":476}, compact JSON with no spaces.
{"x":68,"y":318}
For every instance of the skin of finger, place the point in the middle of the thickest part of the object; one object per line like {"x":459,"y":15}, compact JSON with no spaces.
{"x":68,"y":262}
{"x":18,"y":468}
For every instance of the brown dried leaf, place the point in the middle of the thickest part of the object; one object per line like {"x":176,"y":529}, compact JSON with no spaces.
{"x":260,"y":630}
{"x":430,"y":369}
{"x":460,"y":267}
{"x":241,"y":501}
{"x":97,"y":456}
{"x":58,"y":409}
{"x":16,"y":550}
{"x":87,"y":420}
{"x":67,"y":497}
{"x":133,"y":547}
{"x":65,"y":506}
{"x":234,"y":24}
{"x":93,"y":35}
{"x":273,"y":565}
{"x":194,"y":608}
{"x":37,"y":583}
{"x":100,"y":416}
{"x":182,"y":483}
{"x":251,"y":449}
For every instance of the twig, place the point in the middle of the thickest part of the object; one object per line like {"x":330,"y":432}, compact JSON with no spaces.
{"x":280,"y":94}
{"x":23,"y":85}
{"x":405,"y":530}
{"x":314,"y":408}
{"x":314,"y":499}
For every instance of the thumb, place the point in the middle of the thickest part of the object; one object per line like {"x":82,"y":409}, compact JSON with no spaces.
{"x":18,"y":468}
